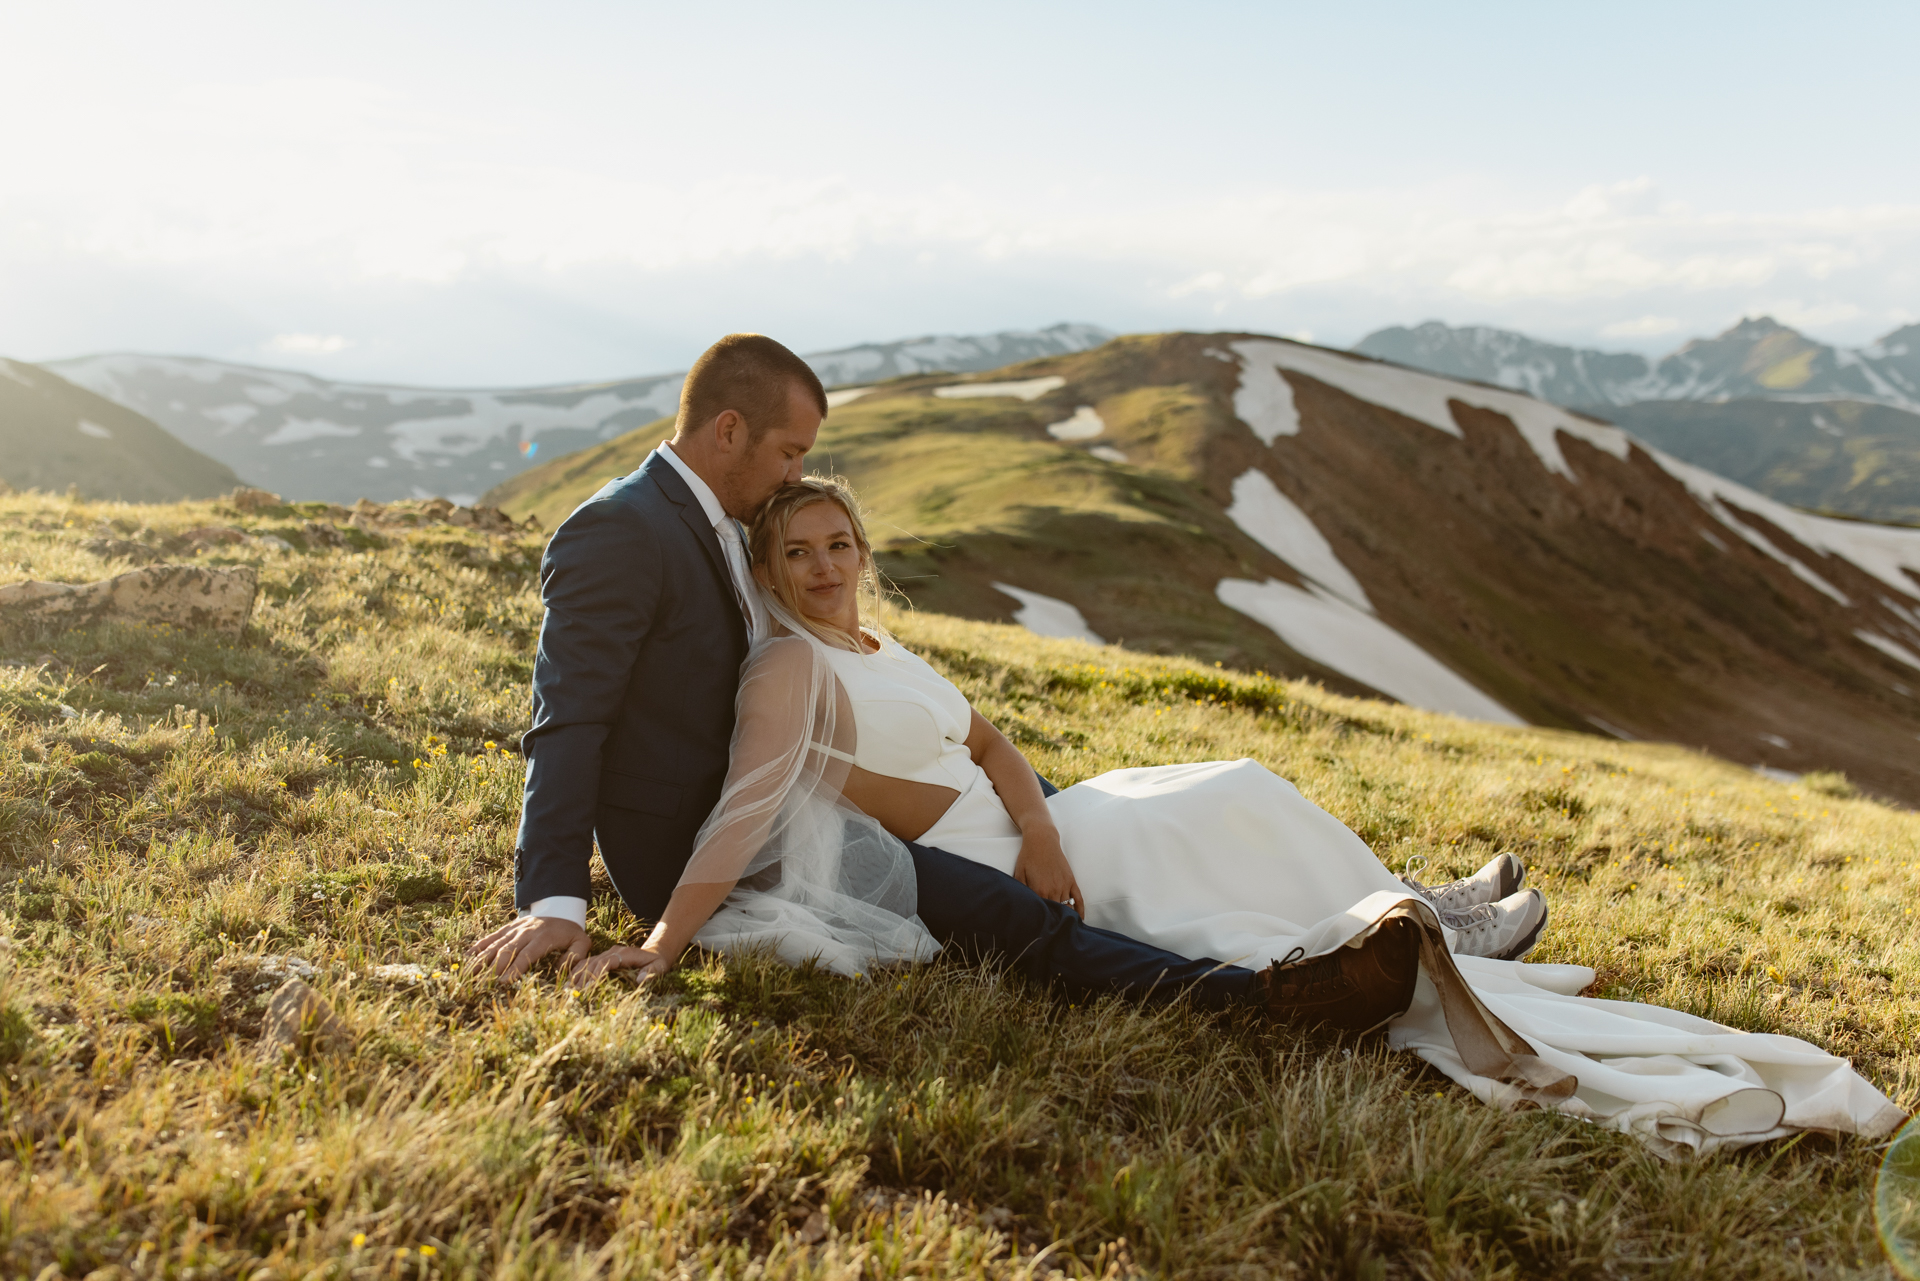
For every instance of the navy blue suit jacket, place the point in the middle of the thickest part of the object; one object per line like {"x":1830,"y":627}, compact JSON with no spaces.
{"x":633,"y":693}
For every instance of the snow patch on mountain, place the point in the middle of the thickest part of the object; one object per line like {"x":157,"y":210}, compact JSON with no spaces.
{"x":1355,"y":643}
{"x":1048,"y":616}
{"x":1084,"y":425}
{"x":845,"y":396}
{"x":295,"y":430}
{"x":1892,"y":649}
{"x":1024,"y":389}
{"x":1331,"y":621}
{"x":1264,"y":399}
{"x":1276,"y":522}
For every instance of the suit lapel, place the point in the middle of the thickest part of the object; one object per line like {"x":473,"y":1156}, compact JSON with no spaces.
{"x":676,"y":492}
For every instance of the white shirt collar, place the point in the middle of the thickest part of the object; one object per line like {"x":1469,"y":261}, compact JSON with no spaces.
{"x":701,"y":490}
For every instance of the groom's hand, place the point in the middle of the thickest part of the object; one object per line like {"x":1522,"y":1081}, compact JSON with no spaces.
{"x":513,"y":948}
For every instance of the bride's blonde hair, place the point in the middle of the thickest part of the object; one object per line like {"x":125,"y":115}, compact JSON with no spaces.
{"x":768,"y":539}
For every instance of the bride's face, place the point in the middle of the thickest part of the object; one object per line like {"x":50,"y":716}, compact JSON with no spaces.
{"x":823,"y":559}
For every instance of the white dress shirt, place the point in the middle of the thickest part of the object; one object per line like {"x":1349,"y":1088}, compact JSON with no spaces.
{"x":734,"y":544}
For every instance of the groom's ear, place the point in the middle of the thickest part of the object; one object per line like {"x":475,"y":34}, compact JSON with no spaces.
{"x":729,"y":430}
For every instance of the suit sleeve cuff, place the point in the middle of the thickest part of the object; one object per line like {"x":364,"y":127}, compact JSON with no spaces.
{"x":562,"y":907}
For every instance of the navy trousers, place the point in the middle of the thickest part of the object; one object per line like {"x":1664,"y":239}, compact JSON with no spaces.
{"x":984,"y":914}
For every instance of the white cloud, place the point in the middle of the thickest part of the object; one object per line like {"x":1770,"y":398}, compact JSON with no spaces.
{"x":1641,"y":327}
{"x":323,"y":196}
{"x":1804,"y":315}
{"x":307,"y":344}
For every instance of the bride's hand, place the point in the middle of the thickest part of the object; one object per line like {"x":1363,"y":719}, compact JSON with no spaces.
{"x":1043,"y":868}
{"x":650,"y":964}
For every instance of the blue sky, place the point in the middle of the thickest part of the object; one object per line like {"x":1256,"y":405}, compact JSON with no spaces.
{"x":486,"y":193}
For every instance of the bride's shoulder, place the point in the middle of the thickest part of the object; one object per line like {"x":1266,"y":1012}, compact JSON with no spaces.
{"x":782,"y":651}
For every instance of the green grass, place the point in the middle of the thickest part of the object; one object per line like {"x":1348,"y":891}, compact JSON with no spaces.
{"x":338,"y":785}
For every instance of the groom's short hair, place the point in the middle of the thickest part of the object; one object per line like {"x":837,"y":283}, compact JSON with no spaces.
{"x":749,"y":374}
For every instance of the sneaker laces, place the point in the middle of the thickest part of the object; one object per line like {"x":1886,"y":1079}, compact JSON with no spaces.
{"x":1416,"y":864}
{"x":1475,"y":922}
{"x":1434,"y":894}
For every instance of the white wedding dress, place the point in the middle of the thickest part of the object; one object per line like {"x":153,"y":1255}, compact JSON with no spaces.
{"x":1226,"y":860}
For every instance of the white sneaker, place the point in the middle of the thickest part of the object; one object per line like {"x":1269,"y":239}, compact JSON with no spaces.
{"x":1502,"y":931}
{"x":1501,"y":877}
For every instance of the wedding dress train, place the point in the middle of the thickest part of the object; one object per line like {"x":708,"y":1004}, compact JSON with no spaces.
{"x":1226,"y":859}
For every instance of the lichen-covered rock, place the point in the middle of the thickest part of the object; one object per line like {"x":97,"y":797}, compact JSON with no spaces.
{"x":185,"y":596}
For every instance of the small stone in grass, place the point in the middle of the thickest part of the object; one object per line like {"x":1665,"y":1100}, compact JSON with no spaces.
{"x":814,"y":1230}
{"x":407,"y":973}
{"x":301,"y":1022}
{"x":286,"y":967}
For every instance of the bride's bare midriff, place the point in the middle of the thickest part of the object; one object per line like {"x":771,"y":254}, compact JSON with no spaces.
{"x":905,"y":808}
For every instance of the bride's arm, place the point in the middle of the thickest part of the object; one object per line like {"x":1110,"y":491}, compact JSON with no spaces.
{"x":772,"y":722}
{"x":1042,"y":865}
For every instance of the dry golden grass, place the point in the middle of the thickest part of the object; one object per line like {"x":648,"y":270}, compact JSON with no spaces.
{"x":338,"y":787}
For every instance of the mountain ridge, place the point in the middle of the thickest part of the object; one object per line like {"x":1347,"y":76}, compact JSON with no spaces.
{"x":1757,"y":358}
{"x":317,"y":438}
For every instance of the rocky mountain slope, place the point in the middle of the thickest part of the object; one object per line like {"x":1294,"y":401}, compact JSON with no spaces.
{"x":1757,"y":358}
{"x":1828,"y":428}
{"x":312,"y":438}
{"x":1839,"y":456}
{"x":1271,"y":505}
{"x":54,"y":435}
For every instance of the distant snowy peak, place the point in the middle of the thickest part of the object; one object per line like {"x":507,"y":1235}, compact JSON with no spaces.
{"x":876,"y":362}
{"x":312,"y":437}
{"x":1563,"y":375}
{"x":1756,"y":359}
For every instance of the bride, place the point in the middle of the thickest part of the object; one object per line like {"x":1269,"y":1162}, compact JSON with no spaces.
{"x":846,"y":744}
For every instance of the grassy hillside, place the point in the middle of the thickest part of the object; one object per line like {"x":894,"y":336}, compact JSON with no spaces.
{"x":179,"y":815}
{"x":1840,"y":456}
{"x":54,"y":435}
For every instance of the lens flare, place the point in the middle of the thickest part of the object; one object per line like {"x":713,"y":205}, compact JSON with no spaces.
{"x":1896,"y":1201}
{"x":528,"y":448}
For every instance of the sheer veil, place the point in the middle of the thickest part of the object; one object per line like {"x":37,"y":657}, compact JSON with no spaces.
{"x":817,"y":879}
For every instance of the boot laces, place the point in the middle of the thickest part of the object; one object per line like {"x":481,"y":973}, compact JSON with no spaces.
{"x":1305,"y":974}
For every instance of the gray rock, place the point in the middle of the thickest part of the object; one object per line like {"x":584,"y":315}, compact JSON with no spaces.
{"x":186,"y":596}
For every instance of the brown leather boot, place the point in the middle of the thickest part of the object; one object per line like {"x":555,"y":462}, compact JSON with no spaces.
{"x":1353,"y":989}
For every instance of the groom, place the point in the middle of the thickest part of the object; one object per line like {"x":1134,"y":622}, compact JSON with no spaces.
{"x":650,"y":611}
